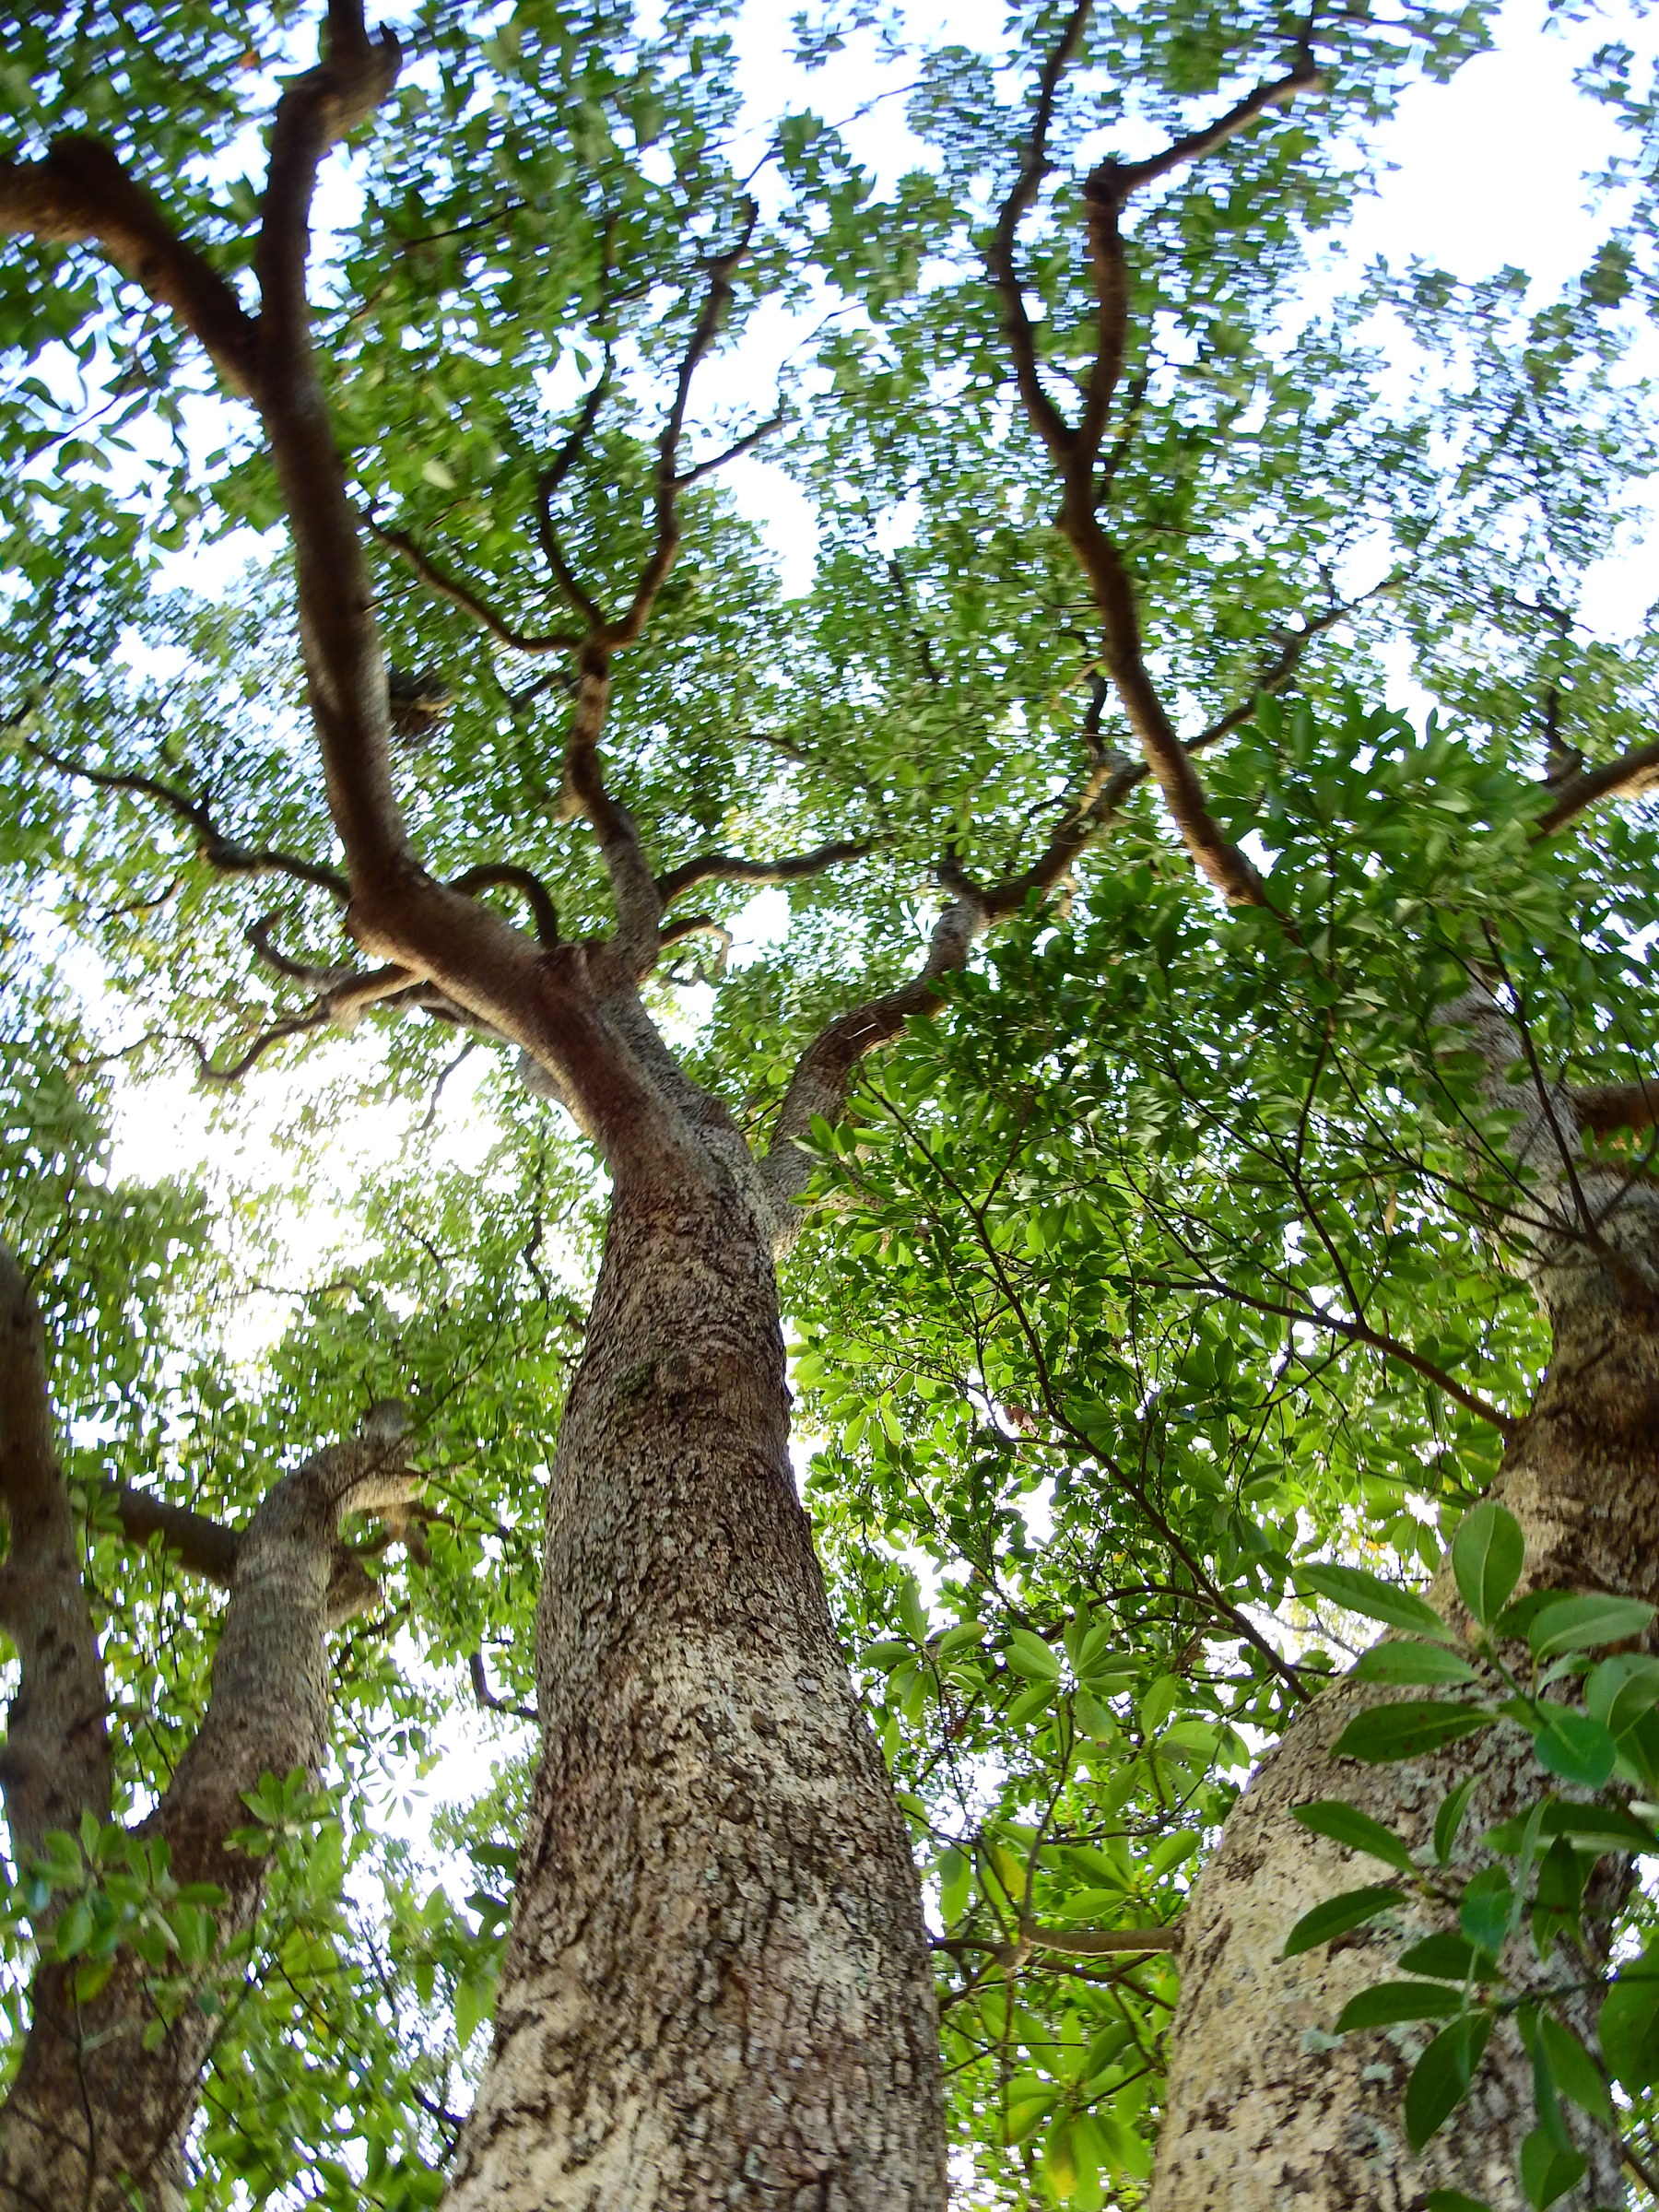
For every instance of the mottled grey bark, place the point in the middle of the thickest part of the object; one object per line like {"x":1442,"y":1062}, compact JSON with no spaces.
{"x":95,"y":2121}
{"x":717,"y":1991}
{"x":1265,"y":2107}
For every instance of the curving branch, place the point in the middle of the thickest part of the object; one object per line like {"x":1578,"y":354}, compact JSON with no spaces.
{"x":201,"y":1545}
{"x":293,"y":1025}
{"x":508,"y":875}
{"x":1630,"y":775}
{"x":1075,"y":451}
{"x":818,"y":1085}
{"x":735,"y":451}
{"x":337,"y":630}
{"x":726,"y":867}
{"x":217,"y":850}
{"x":444,"y":585}
{"x":548,"y":481}
{"x":717,"y":300}
{"x":88,"y":2052}
{"x":81,"y":194}
{"x":1042,"y":411}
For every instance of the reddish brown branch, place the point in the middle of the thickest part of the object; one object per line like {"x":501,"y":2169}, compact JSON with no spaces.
{"x":548,"y":482}
{"x":1602,"y":1109}
{"x":201,"y":1545}
{"x":338,"y":634}
{"x":507,"y":875}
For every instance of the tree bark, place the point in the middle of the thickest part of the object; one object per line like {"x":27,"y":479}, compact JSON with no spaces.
{"x":717,"y":1991}
{"x":95,"y":2118}
{"x":1265,"y":2107}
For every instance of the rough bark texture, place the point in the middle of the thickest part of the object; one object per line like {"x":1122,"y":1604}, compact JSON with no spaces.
{"x":717,"y":1991}
{"x":94,"y":2120}
{"x":1266,"y":2107}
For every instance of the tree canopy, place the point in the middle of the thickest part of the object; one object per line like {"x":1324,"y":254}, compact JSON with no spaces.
{"x":1159,"y":1244}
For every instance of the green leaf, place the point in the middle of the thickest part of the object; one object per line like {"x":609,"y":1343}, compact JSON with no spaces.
{"x":956,"y":1882}
{"x":1579,"y":1624}
{"x":1628,"y":2025}
{"x":1029,"y":1655}
{"x":1487,"y":1554}
{"x":1356,"y":1592}
{"x":1450,"y":1958}
{"x":1487,"y":1909}
{"x":1336,"y":1916}
{"x":1407,"y":1729}
{"x":1413,"y":1662}
{"x":1574,"y":1747}
{"x":1576,"y":2072}
{"x":1347,"y":1824}
{"x":1449,"y":1820}
{"x":1548,"y":2172}
{"x":1388,"y":2002}
{"x":1440,"y":2079}
{"x":1621,"y":1689}
{"x":474,"y":1997}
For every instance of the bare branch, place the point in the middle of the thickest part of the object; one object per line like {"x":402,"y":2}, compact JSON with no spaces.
{"x":1630,"y":774}
{"x":1122,"y":178}
{"x":294,"y":1025}
{"x":1220,"y":861}
{"x":217,"y":850}
{"x":81,"y":194}
{"x":203,"y":1545}
{"x":639,"y":906}
{"x":444,"y":586}
{"x":548,"y":482}
{"x":1041,"y":412}
{"x":726,"y":867}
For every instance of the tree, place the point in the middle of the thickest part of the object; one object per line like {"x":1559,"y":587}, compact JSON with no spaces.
{"x":1049,"y":416}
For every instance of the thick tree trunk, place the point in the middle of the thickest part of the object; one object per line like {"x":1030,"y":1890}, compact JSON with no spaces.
{"x":1265,"y":2109}
{"x":717,"y":1991}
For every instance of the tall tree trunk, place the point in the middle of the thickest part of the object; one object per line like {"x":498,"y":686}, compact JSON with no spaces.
{"x":717,"y":1990}
{"x":1265,"y":2107}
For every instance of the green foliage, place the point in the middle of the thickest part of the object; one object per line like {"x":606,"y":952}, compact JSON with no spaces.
{"x":1157,"y":1292}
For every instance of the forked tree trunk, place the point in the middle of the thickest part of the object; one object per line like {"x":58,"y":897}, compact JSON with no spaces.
{"x":1265,"y":2109}
{"x":717,"y":1991}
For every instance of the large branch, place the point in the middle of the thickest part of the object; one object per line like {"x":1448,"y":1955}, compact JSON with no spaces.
{"x":1220,"y":859}
{"x":1073,"y":452}
{"x":81,"y":194}
{"x":639,"y":904}
{"x":54,"y":1762}
{"x":1631,"y":773}
{"x":338,"y":635}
